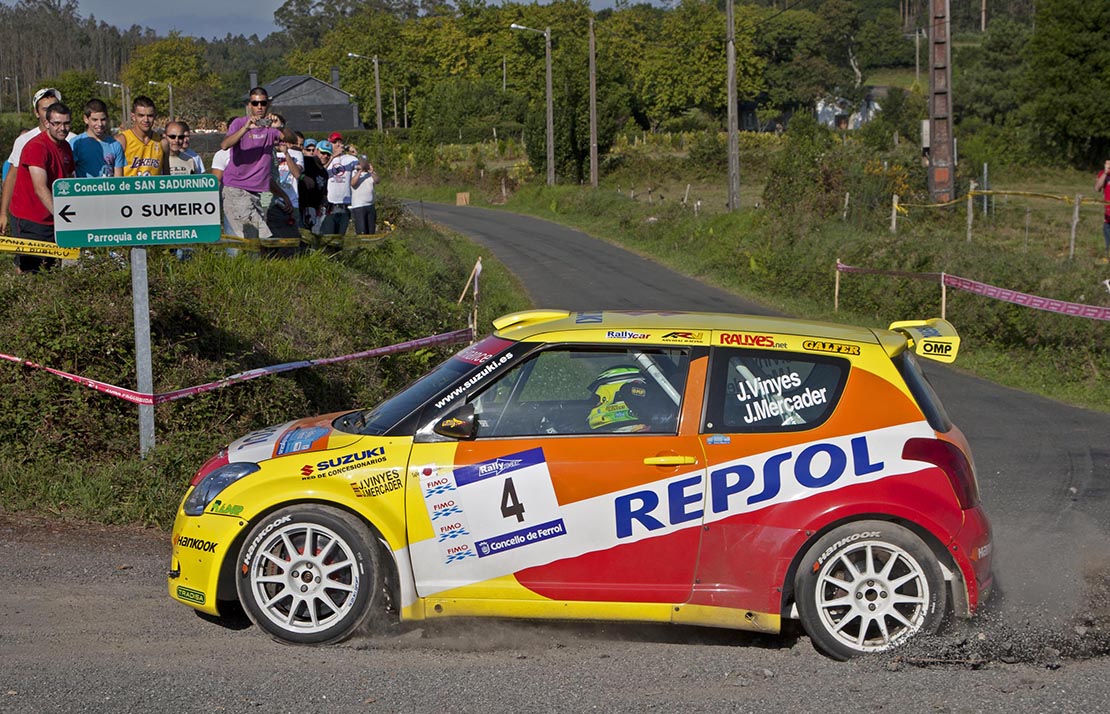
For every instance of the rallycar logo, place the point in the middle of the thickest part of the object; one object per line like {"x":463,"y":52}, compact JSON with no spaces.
{"x":626,"y":335}
{"x":495,"y":467}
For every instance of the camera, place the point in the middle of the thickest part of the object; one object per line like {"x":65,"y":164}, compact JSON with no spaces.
{"x":264,"y":122}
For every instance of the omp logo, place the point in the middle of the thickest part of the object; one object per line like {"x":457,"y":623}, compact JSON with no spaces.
{"x":626,"y":335}
{"x":936,"y":348}
{"x":495,"y":467}
{"x":743,"y":339}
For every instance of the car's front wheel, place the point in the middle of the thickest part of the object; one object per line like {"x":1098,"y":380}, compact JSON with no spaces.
{"x":868,"y":586}
{"x":309,"y":574}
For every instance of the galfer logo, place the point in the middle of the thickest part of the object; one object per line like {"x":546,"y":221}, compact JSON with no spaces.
{"x":495,"y":467}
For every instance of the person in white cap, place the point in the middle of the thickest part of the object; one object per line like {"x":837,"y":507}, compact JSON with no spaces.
{"x":42,"y":101}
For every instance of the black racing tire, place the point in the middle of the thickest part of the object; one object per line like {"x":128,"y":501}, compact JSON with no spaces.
{"x":868,"y":586}
{"x":309,"y":574}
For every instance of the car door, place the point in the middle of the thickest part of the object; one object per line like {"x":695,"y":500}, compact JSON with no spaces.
{"x":584,"y":481}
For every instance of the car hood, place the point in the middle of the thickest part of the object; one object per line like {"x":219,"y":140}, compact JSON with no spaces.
{"x":293,"y":437}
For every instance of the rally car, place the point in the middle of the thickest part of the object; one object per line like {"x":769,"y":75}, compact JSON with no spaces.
{"x":706,"y":469}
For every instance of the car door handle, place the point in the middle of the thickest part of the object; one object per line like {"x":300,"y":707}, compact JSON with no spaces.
{"x":673,"y":460}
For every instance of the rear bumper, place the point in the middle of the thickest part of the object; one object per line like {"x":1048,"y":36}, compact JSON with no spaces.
{"x":972,"y":549}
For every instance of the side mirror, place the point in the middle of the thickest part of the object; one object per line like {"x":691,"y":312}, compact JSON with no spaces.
{"x":458,"y":423}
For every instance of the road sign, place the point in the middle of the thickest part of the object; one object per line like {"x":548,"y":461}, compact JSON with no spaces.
{"x":140,"y":210}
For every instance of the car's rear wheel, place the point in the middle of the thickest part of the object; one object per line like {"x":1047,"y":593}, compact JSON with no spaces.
{"x":309,"y":574}
{"x":868,"y":586}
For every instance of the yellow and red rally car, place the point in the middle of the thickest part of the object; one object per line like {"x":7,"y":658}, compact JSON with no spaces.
{"x":704,"y":469}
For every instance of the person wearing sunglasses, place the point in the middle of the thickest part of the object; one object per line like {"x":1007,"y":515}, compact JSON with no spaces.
{"x":251,"y":140}
{"x":179,"y":163}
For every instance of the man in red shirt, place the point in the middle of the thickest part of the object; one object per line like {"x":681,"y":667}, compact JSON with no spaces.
{"x":1102,"y":184}
{"x":46,"y":158}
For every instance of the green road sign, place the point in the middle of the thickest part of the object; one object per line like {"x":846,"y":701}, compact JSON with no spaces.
{"x":136,"y":210}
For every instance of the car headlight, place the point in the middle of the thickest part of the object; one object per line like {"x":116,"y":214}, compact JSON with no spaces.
{"x":211,"y":485}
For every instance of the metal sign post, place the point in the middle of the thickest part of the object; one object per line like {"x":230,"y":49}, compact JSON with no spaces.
{"x":138,"y":211}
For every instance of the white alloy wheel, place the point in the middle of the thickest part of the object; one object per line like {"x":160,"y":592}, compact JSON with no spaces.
{"x":869,"y":586}
{"x":309,"y":574}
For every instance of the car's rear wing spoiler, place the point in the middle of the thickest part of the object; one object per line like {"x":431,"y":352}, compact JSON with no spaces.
{"x":935,"y":338}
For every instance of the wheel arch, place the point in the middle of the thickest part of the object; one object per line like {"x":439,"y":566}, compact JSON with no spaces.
{"x":226,"y":590}
{"x":953,"y":576}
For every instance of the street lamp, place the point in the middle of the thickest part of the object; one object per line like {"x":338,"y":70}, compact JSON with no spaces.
{"x":377,"y":86}
{"x":123,"y":99}
{"x":18,"y":102}
{"x":173,"y":117}
{"x":550,"y":107}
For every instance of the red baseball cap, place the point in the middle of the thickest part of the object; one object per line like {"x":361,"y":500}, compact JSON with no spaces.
{"x":336,"y":136}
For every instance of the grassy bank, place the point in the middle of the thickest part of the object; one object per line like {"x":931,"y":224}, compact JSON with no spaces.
{"x":71,"y":451}
{"x":787,"y":260}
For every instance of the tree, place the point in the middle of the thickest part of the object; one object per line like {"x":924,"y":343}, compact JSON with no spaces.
{"x":178,"y":61}
{"x":1067,"y":78}
{"x":77,"y":88}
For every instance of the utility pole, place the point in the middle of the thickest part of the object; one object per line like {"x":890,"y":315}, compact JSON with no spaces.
{"x":983,"y":17}
{"x":378,"y":92}
{"x":942,"y":167}
{"x":593,"y":107}
{"x":733,"y":129}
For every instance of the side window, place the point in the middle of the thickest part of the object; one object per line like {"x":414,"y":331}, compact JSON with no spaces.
{"x":763,"y":391}
{"x":579,"y":390}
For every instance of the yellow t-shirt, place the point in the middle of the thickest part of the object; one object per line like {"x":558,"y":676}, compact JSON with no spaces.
{"x":141,"y":159}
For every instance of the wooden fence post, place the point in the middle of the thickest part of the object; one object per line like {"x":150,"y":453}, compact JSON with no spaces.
{"x":943,"y":298}
{"x":894,"y":214}
{"x":970,"y":214}
{"x":836,"y":289}
{"x":1074,"y":226}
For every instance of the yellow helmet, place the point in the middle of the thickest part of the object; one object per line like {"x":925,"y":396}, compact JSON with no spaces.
{"x":612,"y":387}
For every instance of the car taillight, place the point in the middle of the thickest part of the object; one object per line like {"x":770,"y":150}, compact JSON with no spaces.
{"x":210,"y":465}
{"x":950,"y":459}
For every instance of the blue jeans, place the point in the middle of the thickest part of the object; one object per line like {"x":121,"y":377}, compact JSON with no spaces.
{"x":1106,"y":235}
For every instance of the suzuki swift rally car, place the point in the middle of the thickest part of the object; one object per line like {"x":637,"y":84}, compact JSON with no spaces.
{"x":702,"y":469}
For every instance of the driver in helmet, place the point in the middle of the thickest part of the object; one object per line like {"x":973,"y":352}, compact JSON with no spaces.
{"x":622,"y":394}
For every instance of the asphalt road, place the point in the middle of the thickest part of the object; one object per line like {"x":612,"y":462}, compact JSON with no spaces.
{"x":87,"y":625}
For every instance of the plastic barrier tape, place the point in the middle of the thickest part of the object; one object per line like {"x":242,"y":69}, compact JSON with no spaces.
{"x":1036,"y":302}
{"x":37,"y":247}
{"x":130,"y":395}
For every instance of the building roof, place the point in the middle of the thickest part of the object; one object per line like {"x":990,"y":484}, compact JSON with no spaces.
{"x":281,"y":85}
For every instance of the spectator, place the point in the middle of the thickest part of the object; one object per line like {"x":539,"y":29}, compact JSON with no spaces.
{"x":41,"y":102}
{"x":362,"y":197}
{"x":46,"y":158}
{"x":96,"y":153}
{"x":143,"y":150}
{"x":177,"y":162}
{"x":251,"y":140}
{"x":314,"y":179}
{"x":290,"y":165}
{"x":189,"y":153}
{"x":1102,"y":185}
{"x":339,"y":168}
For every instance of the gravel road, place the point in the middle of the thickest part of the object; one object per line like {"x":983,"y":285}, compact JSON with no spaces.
{"x":88,"y":626}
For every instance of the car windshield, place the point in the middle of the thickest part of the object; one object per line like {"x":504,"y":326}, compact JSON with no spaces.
{"x":385,"y":416}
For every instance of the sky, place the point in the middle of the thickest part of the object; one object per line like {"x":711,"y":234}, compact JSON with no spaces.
{"x":199,"y":18}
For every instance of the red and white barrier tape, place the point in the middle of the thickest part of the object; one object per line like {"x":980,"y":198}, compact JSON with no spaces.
{"x":1036,"y":302}
{"x":130,"y":395}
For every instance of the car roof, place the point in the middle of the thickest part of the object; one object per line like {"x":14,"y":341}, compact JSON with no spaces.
{"x":532,"y":324}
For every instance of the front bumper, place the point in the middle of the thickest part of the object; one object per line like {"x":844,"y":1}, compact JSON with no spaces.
{"x":200,"y":547}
